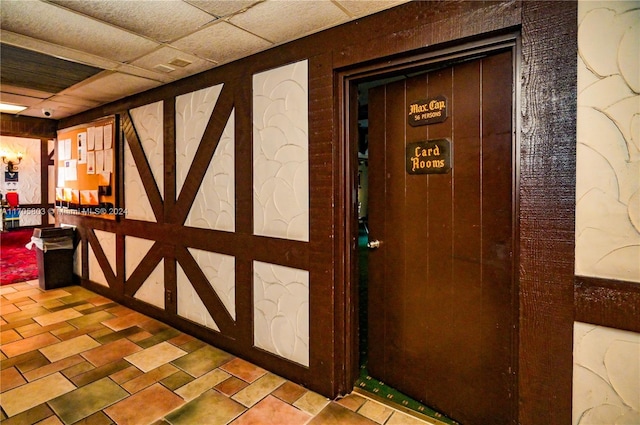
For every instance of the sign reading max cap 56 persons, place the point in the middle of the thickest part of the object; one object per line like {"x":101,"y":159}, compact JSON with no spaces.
{"x":428,"y":111}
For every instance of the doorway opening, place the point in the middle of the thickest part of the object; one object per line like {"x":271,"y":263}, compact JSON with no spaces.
{"x":450,"y":298}
{"x":367,"y":384}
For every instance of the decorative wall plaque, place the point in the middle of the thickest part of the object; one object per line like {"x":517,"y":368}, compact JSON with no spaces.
{"x":428,"y":111}
{"x":430,"y":157}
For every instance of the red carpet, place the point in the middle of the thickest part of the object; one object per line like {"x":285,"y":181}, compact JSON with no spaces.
{"x":17,"y":263}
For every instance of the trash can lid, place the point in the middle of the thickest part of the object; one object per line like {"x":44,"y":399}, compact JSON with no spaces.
{"x":53,"y":232}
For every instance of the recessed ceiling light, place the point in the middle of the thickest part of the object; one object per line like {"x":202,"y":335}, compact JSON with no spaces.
{"x":12,"y":109}
{"x":180,"y":62}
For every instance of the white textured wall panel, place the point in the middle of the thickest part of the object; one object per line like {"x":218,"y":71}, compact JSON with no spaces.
{"x":606,"y":378}
{"x":135,"y":198}
{"x":280,"y":152}
{"x":281,"y":311}
{"x":193,"y":111}
{"x":135,"y":249}
{"x":152,"y":290}
{"x":220,"y":271}
{"x":608,"y":150}
{"x":190,"y":306}
{"x":214,"y":205}
{"x":148,"y":121}
{"x":108,"y":243}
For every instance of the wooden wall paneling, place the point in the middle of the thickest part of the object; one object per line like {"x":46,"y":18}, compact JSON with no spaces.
{"x":207,"y":294}
{"x":203,"y":155}
{"x":547,"y":210}
{"x":319,"y":251}
{"x":148,"y":263}
{"x":244,"y":210}
{"x":29,"y":127}
{"x":45,"y":162}
{"x":169,"y":139}
{"x":607,"y":302}
{"x":101,"y":257}
{"x":144,"y":169}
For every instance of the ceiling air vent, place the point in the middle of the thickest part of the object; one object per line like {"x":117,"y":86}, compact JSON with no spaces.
{"x":180,"y":62}
{"x":163,"y":68}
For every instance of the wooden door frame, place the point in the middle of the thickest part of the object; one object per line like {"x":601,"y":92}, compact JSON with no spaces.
{"x":347,"y":81}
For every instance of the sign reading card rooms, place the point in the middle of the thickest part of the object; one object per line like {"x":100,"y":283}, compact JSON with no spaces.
{"x":428,"y":111}
{"x":430,"y":157}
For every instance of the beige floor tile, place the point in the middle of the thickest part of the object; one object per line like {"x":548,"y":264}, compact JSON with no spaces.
{"x":22,"y":294}
{"x":145,"y":407}
{"x":68,"y":348}
{"x":141,"y":382}
{"x":87,"y":400}
{"x":10,"y":378}
{"x":126,"y":321}
{"x":204,"y":383}
{"x":29,"y":344}
{"x":398,"y":418}
{"x":58,"y":316}
{"x":352,"y":401}
{"x":51,"y":294}
{"x":9,"y":308}
{"x":311,"y":403}
{"x":111,"y":352}
{"x":155,"y":356}
{"x":30,"y":395}
{"x":258,"y":390}
{"x":243,"y":370}
{"x":335,"y":414}
{"x":375,"y":411}
{"x":58,"y":366}
{"x":209,"y":408}
{"x":203,"y":360}
{"x":7,"y":290}
{"x":272,"y":411}
{"x":9,"y":336}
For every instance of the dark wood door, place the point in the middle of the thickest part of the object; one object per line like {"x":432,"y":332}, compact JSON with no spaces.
{"x":442,"y":318}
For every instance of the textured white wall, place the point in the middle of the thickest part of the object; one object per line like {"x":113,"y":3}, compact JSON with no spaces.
{"x":280,"y":152}
{"x":193,"y":111}
{"x":608,"y":151}
{"x":152,"y":290}
{"x":108,"y":243}
{"x":148,"y":122}
{"x":606,"y":376}
{"x":281,"y":311}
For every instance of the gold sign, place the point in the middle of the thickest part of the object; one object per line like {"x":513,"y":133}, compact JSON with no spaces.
{"x":428,"y":111}
{"x":430,"y":157}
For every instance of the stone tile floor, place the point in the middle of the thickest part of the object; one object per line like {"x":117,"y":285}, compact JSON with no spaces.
{"x":70,"y":356}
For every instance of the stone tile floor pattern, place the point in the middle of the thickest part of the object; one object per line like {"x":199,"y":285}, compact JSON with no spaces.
{"x":70,"y":356}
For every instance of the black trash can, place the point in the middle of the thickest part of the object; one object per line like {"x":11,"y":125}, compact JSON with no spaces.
{"x":54,"y":254}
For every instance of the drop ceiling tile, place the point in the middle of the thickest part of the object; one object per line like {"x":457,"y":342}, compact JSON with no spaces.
{"x":165,"y":21}
{"x":166,"y":54}
{"x":6,"y":88}
{"x":54,"y":24}
{"x":214,"y":43}
{"x":223,"y":8}
{"x":109,"y":86}
{"x":359,"y":8}
{"x":274,"y":20}
{"x":16,"y":99}
{"x":65,"y":99}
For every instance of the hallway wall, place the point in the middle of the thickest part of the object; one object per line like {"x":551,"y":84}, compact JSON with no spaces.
{"x":287,"y":262}
{"x":606,"y":376}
